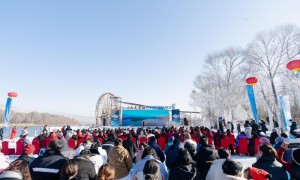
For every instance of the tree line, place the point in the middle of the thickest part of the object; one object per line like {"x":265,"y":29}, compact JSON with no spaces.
{"x":38,"y":118}
{"x":219,"y":90}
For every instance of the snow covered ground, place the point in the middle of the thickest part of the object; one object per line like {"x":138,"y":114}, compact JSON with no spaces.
{"x":245,"y":160}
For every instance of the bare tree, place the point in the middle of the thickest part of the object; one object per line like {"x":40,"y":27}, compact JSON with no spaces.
{"x":270,"y":51}
{"x":218,"y":89}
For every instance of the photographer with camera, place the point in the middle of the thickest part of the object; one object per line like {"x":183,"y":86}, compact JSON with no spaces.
{"x":294,"y":167}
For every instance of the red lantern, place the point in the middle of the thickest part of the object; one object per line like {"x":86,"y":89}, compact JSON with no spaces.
{"x":294,"y":65}
{"x":12,"y":94}
{"x":251,"y":81}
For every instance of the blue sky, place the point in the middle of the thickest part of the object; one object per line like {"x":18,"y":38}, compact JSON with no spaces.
{"x":60,"y":56}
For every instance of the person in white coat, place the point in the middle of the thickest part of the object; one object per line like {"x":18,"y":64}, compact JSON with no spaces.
{"x":232,"y":170}
{"x":216,"y":166}
{"x":96,"y":159}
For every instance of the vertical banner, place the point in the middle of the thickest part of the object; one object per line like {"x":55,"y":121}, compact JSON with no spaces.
{"x":176,"y":116}
{"x":251,"y":96}
{"x":115,"y":117}
{"x":286,"y":110}
{"x":7,"y":112}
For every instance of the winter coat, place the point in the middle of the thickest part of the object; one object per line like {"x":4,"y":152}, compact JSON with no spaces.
{"x":120,"y":159}
{"x":10,"y":175}
{"x":272,"y":166}
{"x":158,"y":151}
{"x":138,"y":168}
{"x":103,"y":154}
{"x":184,"y":172}
{"x":293,"y":127}
{"x":3,"y":162}
{"x":191,"y":149}
{"x":238,"y":137}
{"x":86,"y":169}
{"x":130,"y":146}
{"x":47,"y":167}
{"x":26,"y":158}
{"x":204,"y":158}
{"x":263,"y":127}
{"x":273,"y":136}
{"x":215,"y":169}
{"x":292,"y":168}
{"x":97,"y":161}
{"x":108,"y":146}
{"x":171,"y":157}
{"x":1,"y":131}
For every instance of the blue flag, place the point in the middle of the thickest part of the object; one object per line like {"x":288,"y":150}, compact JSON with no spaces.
{"x":251,"y":96}
{"x":7,"y":112}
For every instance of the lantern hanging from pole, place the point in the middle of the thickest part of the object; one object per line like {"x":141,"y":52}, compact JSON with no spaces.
{"x":294,"y":66}
{"x":12,"y":94}
{"x":251,"y":81}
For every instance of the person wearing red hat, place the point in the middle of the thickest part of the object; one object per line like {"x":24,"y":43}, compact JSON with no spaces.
{"x":27,"y":153}
{"x":294,"y":166}
{"x":256,"y":174}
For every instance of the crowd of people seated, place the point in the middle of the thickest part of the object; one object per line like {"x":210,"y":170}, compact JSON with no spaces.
{"x":161,"y":153}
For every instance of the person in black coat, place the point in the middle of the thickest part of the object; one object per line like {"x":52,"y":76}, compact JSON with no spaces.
{"x":47,"y":166}
{"x":27,"y":153}
{"x":263,"y":126}
{"x":130,"y":146}
{"x":109,"y":143}
{"x":173,"y":153}
{"x":267,"y":161}
{"x":254,"y":126}
{"x":205,"y":156}
{"x":293,"y":127}
{"x":184,"y":167}
{"x":86,"y":168}
{"x":1,"y":133}
{"x":273,"y":136}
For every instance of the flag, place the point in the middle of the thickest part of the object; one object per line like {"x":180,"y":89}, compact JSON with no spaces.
{"x":7,"y":112}
{"x":251,"y":96}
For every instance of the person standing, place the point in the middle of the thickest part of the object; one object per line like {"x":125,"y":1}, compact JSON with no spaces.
{"x":238,"y":126}
{"x":13,"y":133}
{"x":130,"y":146}
{"x":1,"y":133}
{"x":293,"y":126}
{"x":263,"y":126}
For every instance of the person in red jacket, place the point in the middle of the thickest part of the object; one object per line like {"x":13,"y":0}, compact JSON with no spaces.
{"x":13,"y":133}
{"x":294,"y":166}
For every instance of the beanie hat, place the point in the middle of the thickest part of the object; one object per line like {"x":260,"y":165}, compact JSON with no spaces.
{"x":264,"y":140}
{"x":259,"y":174}
{"x":278,"y":140}
{"x":296,"y":156}
{"x":29,"y":149}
